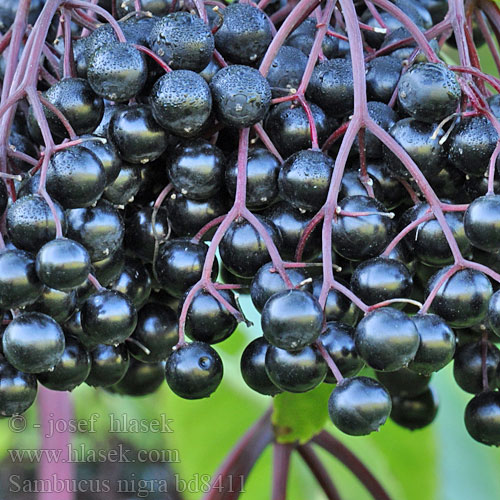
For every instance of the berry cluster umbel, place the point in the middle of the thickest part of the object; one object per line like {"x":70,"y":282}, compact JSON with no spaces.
{"x":157,"y":166}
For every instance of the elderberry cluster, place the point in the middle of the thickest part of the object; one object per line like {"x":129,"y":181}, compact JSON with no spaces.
{"x":163,"y":165}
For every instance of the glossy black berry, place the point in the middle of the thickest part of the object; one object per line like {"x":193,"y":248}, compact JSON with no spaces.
{"x":289,"y":128}
{"x":359,"y":406}
{"x":291,"y":223}
{"x":338,"y":340}
{"x":179,"y":265}
{"x":244,"y":35}
{"x":187,"y":216}
{"x":266,"y":283}
{"x":75,"y":177}
{"x":286,"y":70}
{"x":253,"y":368}
{"x":141,"y":379}
{"x":493,"y":317}
{"x":136,"y":135}
{"x":108,"y":317}
{"x":427,"y":241}
{"x":33,"y":342}
{"x":57,"y":304}
{"x":109,"y":365}
{"x":134,"y":281}
{"x":298,"y":371}
{"x":182,"y":40}
{"x":429,"y":92}
{"x":417,"y":412}
{"x":291,"y":319}
{"x":358,"y":237}
{"x":338,"y":307}
{"x":332,"y":86}
{"x":262,"y":178}
{"x":304,"y":179}
{"x":194,"y":371}
{"x":380,"y":279}
{"x":109,"y":268}
{"x":126,"y":185}
{"x":387,"y":339}
{"x":107,"y":155}
{"x":117,"y":71}
{"x":99,"y":229}
{"x":71,"y":371}
{"x":196,"y":169}
{"x":181,"y":102}
{"x":437,"y":344}
{"x":241,"y":96}
{"x":62,"y":264}
{"x":404,"y":383}
{"x":17,"y":390}
{"x":302,"y":38}
{"x":462,"y":301}
{"x":421,"y":142}
{"x":156,"y":330}
{"x":139,"y":234}
{"x":482,"y":418}
{"x":482,"y":223}
{"x":382,"y":77}
{"x":76,"y":100}
{"x":467,"y":367}
{"x":208,"y":320}
{"x":471,"y":145}
{"x":19,"y":284}
{"x":242,"y":248}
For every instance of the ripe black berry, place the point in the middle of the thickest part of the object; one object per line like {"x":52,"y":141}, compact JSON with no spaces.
{"x":241,"y":96}
{"x":109,"y":365}
{"x":71,"y":371}
{"x":244,"y":35}
{"x":194,"y":371}
{"x":482,"y":418}
{"x":338,"y":340}
{"x":304,"y":179}
{"x":387,"y":339}
{"x":17,"y":390}
{"x":182,"y":40}
{"x":33,"y":342}
{"x":253,"y":368}
{"x":482,"y":223}
{"x":429,"y":92}
{"x":108,"y":317}
{"x":181,"y":102}
{"x":359,"y":406}
{"x":298,"y":371}
{"x":117,"y":71}
{"x":417,"y":412}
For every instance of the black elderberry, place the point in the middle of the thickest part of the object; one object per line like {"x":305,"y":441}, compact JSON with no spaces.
{"x":242,"y":248}
{"x":33,"y":342}
{"x":253,"y":368}
{"x":417,"y":412}
{"x":244,"y":35}
{"x":182,"y":40}
{"x":304,"y":179}
{"x":289,"y":128}
{"x":292,"y":319}
{"x":196,"y":169}
{"x":181,"y":102}
{"x":136,"y":135}
{"x":241,"y":96}
{"x":72,"y":369}
{"x":156,"y":332}
{"x":298,"y":371}
{"x":387,"y":339}
{"x":194,"y":371}
{"x":359,"y":406}
{"x":109,"y":364}
{"x":117,"y":71}
{"x":429,"y":92}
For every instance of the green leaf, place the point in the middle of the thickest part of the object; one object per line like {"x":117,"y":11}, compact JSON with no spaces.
{"x":298,"y":417}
